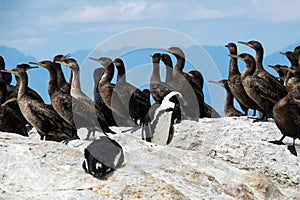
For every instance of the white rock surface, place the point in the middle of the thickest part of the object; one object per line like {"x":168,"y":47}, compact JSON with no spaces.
{"x":226,"y":158}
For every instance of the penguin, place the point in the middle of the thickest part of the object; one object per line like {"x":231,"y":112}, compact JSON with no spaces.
{"x":102,"y":157}
{"x":158,"y":127}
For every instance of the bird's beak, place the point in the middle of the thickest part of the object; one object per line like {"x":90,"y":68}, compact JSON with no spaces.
{"x":8,"y":71}
{"x":99,"y":61}
{"x":273,"y":67}
{"x":68,"y":55}
{"x":282,"y":53}
{"x":95,"y":59}
{"x":245,"y":43}
{"x":9,"y":100}
{"x":215,"y":82}
{"x":226,"y":45}
{"x":233,"y":56}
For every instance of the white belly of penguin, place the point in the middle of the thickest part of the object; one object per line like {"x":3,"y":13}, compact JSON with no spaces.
{"x":162,"y":128}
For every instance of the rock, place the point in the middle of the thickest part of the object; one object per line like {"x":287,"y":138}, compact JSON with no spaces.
{"x":224,"y":158}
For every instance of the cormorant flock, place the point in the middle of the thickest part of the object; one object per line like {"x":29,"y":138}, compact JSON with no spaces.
{"x":177,"y":97}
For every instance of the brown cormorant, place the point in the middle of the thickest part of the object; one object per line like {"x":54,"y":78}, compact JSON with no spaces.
{"x":46,"y":121}
{"x":235,"y":82}
{"x":282,"y":71}
{"x":166,"y":59}
{"x":84,"y":107}
{"x":7,"y":76}
{"x":292,"y":57}
{"x":158,"y":88}
{"x":166,"y":86}
{"x":229,"y":109}
{"x":119,"y":107}
{"x":257,"y":88}
{"x":99,"y":101}
{"x":261,"y":72}
{"x":10,"y":120}
{"x":286,"y":112}
{"x":60,"y":101}
{"x":61,"y":81}
{"x":138,"y":101}
{"x":191,"y":92}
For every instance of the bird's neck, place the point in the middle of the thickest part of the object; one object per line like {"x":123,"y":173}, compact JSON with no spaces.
{"x":155,"y":73}
{"x":250,"y":68}
{"x":23,"y":84}
{"x":169,"y":75}
{"x":52,"y":84}
{"x":3,"y":90}
{"x":228,"y":100}
{"x":121,"y":73}
{"x":75,"y":79}
{"x":180,"y":64}
{"x":233,"y":65}
{"x":259,"y":59}
{"x":60,"y":75}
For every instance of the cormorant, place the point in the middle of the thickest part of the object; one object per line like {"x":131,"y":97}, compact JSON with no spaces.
{"x":99,"y":101}
{"x":158,"y":127}
{"x":61,"y":81}
{"x":111,"y":97}
{"x":7,"y":76}
{"x":138,"y":101}
{"x":235,"y":82}
{"x":191,"y":92}
{"x":166,"y":59}
{"x":158,"y":88}
{"x":261,"y":72}
{"x":229,"y":109}
{"x":286,"y":113}
{"x":46,"y":121}
{"x":282,"y":71}
{"x":60,"y":101}
{"x":10,"y":120}
{"x":292,"y":57}
{"x":167,"y":87}
{"x":84,"y":107}
{"x":257,"y":88}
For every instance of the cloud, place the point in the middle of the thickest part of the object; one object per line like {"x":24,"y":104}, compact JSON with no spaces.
{"x":278,"y":11}
{"x":25,"y":44}
{"x":87,"y":14}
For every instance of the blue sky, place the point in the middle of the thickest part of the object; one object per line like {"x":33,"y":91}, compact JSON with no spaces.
{"x":44,"y":28}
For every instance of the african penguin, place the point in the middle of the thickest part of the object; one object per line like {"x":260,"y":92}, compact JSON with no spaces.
{"x":158,"y":128}
{"x":102,"y":156}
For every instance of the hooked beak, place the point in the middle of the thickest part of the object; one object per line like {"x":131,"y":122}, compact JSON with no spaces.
{"x":8,"y":101}
{"x":245,"y":43}
{"x":7,"y":71}
{"x":233,"y":56}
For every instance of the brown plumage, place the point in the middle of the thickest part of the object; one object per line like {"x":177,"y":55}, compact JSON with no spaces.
{"x":235,"y":82}
{"x":229,"y":109}
{"x":10,"y":120}
{"x":138,"y":101}
{"x":84,"y":107}
{"x":110,"y":97}
{"x":191,"y":92}
{"x":261,"y":72}
{"x":257,"y":88}
{"x":286,"y":112}
{"x":61,"y":80}
{"x":60,"y":100}
{"x":46,"y":121}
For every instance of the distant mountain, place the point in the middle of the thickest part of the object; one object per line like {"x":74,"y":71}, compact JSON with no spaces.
{"x":13,"y":56}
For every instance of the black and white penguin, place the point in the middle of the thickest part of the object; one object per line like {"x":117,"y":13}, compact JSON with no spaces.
{"x":102,"y":156}
{"x":158,"y":127}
